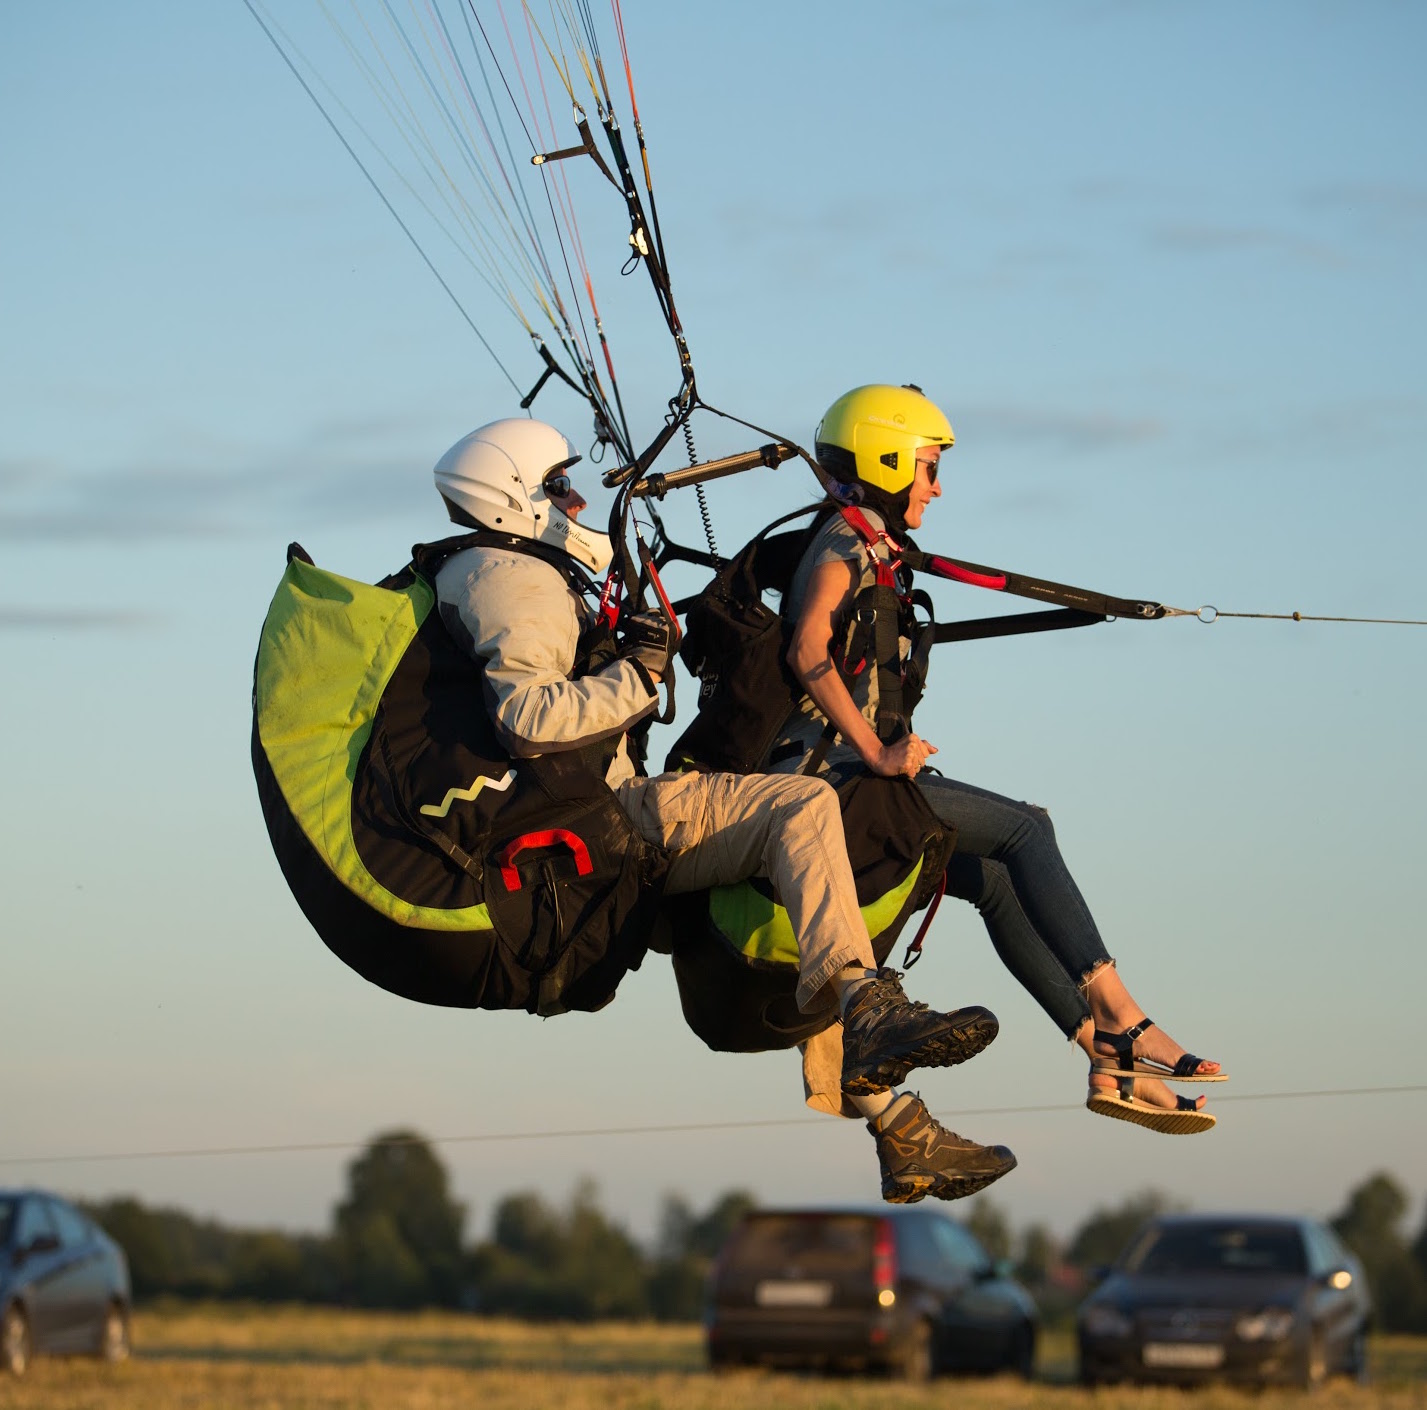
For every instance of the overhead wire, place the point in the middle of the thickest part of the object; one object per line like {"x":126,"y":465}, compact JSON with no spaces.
{"x":648,"y":1129}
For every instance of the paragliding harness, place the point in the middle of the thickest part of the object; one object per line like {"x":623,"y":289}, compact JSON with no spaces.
{"x":737,"y":647}
{"x":736,"y":957}
{"x":424,"y":855}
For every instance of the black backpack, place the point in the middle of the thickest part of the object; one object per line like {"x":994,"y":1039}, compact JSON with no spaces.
{"x":737,"y":646}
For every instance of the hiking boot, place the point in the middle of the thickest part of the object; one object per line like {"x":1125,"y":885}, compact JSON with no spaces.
{"x":920,"y":1157}
{"x":885,"y":1035}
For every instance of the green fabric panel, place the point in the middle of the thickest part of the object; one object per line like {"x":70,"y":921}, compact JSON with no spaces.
{"x":329,"y":646}
{"x":760,"y":930}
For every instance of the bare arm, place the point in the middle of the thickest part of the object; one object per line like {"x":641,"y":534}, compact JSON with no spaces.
{"x":829,"y":597}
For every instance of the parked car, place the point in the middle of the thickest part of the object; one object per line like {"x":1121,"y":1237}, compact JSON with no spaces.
{"x":1251,"y":1298}
{"x":899,"y":1289}
{"x":64,"y":1283}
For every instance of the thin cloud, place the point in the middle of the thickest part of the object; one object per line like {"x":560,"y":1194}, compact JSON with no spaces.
{"x":1045,"y":504}
{"x":66,"y":619}
{"x":1198,"y":239}
{"x":1392,"y":210}
{"x":335,"y":475}
{"x":1069,"y":431}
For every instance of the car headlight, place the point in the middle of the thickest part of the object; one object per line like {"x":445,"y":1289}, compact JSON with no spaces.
{"x":1103,"y":1320}
{"x":1272,"y":1324}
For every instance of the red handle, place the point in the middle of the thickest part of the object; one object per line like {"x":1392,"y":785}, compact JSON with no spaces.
{"x":948,"y":568}
{"x":555,"y":835}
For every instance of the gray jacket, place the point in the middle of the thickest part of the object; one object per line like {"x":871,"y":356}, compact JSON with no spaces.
{"x":520,"y":616}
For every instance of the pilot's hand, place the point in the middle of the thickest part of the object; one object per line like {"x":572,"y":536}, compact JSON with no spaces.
{"x":648,"y":638}
{"x":903,"y":756}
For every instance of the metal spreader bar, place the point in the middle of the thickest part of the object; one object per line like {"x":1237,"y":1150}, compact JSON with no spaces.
{"x":657,"y":485}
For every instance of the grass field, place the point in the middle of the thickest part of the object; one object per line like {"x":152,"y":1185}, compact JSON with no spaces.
{"x":273,"y":1358}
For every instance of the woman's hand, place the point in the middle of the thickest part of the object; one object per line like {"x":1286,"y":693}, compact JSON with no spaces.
{"x":903,"y":756}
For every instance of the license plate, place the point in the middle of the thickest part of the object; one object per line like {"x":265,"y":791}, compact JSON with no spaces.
{"x":793,"y":1293}
{"x":1183,"y":1355}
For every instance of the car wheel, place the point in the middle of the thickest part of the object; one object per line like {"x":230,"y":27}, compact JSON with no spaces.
{"x":14,"y":1341}
{"x":916,"y":1361}
{"x":1022,"y":1359}
{"x":114,"y":1335}
{"x":1356,"y":1365}
{"x":1313,"y":1364}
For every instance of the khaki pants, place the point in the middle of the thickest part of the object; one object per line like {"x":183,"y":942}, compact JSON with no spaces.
{"x":724,"y":828}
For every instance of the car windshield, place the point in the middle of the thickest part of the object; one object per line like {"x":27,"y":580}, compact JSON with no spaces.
{"x":1219,"y":1248}
{"x":772,"y":1238}
{"x":7,"y":1220}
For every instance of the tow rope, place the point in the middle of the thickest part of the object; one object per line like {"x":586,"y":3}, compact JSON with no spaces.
{"x":1079,"y":607}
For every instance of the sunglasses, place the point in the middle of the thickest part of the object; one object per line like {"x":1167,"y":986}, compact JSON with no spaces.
{"x":930,"y":466}
{"x":557,"y":482}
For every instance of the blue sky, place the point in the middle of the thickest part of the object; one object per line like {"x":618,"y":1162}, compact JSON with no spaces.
{"x":1162,"y":266}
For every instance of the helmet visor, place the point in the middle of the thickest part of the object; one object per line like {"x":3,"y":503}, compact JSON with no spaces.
{"x":557,"y":483}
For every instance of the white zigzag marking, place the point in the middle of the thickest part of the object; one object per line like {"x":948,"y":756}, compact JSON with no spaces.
{"x":468,"y":795}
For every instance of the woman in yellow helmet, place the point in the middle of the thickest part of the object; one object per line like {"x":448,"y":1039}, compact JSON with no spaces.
{"x":881,"y":448}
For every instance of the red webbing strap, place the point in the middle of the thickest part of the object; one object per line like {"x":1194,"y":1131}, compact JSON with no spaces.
{"x":857,"y":521}
{"x":609,"y":600}
{"x":914,"y":950}
{"x":550,"y":838}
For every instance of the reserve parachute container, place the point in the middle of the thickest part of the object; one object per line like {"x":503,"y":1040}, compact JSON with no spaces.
{"x":423,"y":854}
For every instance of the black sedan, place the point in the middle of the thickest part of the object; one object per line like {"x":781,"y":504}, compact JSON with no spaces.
{"x":904,"y":1290}
{"x":1256,"y":1298}
{"x":64,"y":1283}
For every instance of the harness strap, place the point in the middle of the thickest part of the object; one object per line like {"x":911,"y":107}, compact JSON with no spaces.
{"x":1016,"y":624}
{"x":879,"y":620}
{"x":914,"y":950}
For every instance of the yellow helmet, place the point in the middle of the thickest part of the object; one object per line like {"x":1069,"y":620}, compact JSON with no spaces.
{"x":872,"y":434}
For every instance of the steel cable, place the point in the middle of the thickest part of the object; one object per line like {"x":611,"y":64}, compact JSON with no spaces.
{"x":651,"y":1129}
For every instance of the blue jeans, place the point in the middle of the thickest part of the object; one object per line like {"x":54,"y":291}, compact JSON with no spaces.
{"x":1008,"y":865}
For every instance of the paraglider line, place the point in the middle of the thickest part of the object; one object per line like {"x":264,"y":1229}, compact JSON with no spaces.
{"x":371,"y":181}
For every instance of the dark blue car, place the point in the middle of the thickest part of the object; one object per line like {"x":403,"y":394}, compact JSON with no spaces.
{"x":1256,"y":1298}
{"x":64,"y":1283}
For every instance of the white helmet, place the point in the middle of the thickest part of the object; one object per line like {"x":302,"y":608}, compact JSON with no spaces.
{"x":495,"y":477}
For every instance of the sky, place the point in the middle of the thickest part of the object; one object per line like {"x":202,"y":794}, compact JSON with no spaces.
{"x":1161,"y":265}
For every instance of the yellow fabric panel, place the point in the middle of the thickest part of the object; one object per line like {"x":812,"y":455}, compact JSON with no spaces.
{"x":759,"y":928}
{"x":329,"y":646}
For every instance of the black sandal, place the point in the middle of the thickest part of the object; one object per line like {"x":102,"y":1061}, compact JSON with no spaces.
{"x":1182,"y":1119}
{"x":1126,"y":1063}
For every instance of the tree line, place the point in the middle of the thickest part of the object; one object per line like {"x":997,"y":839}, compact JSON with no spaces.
{"x":398,"y":1241}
